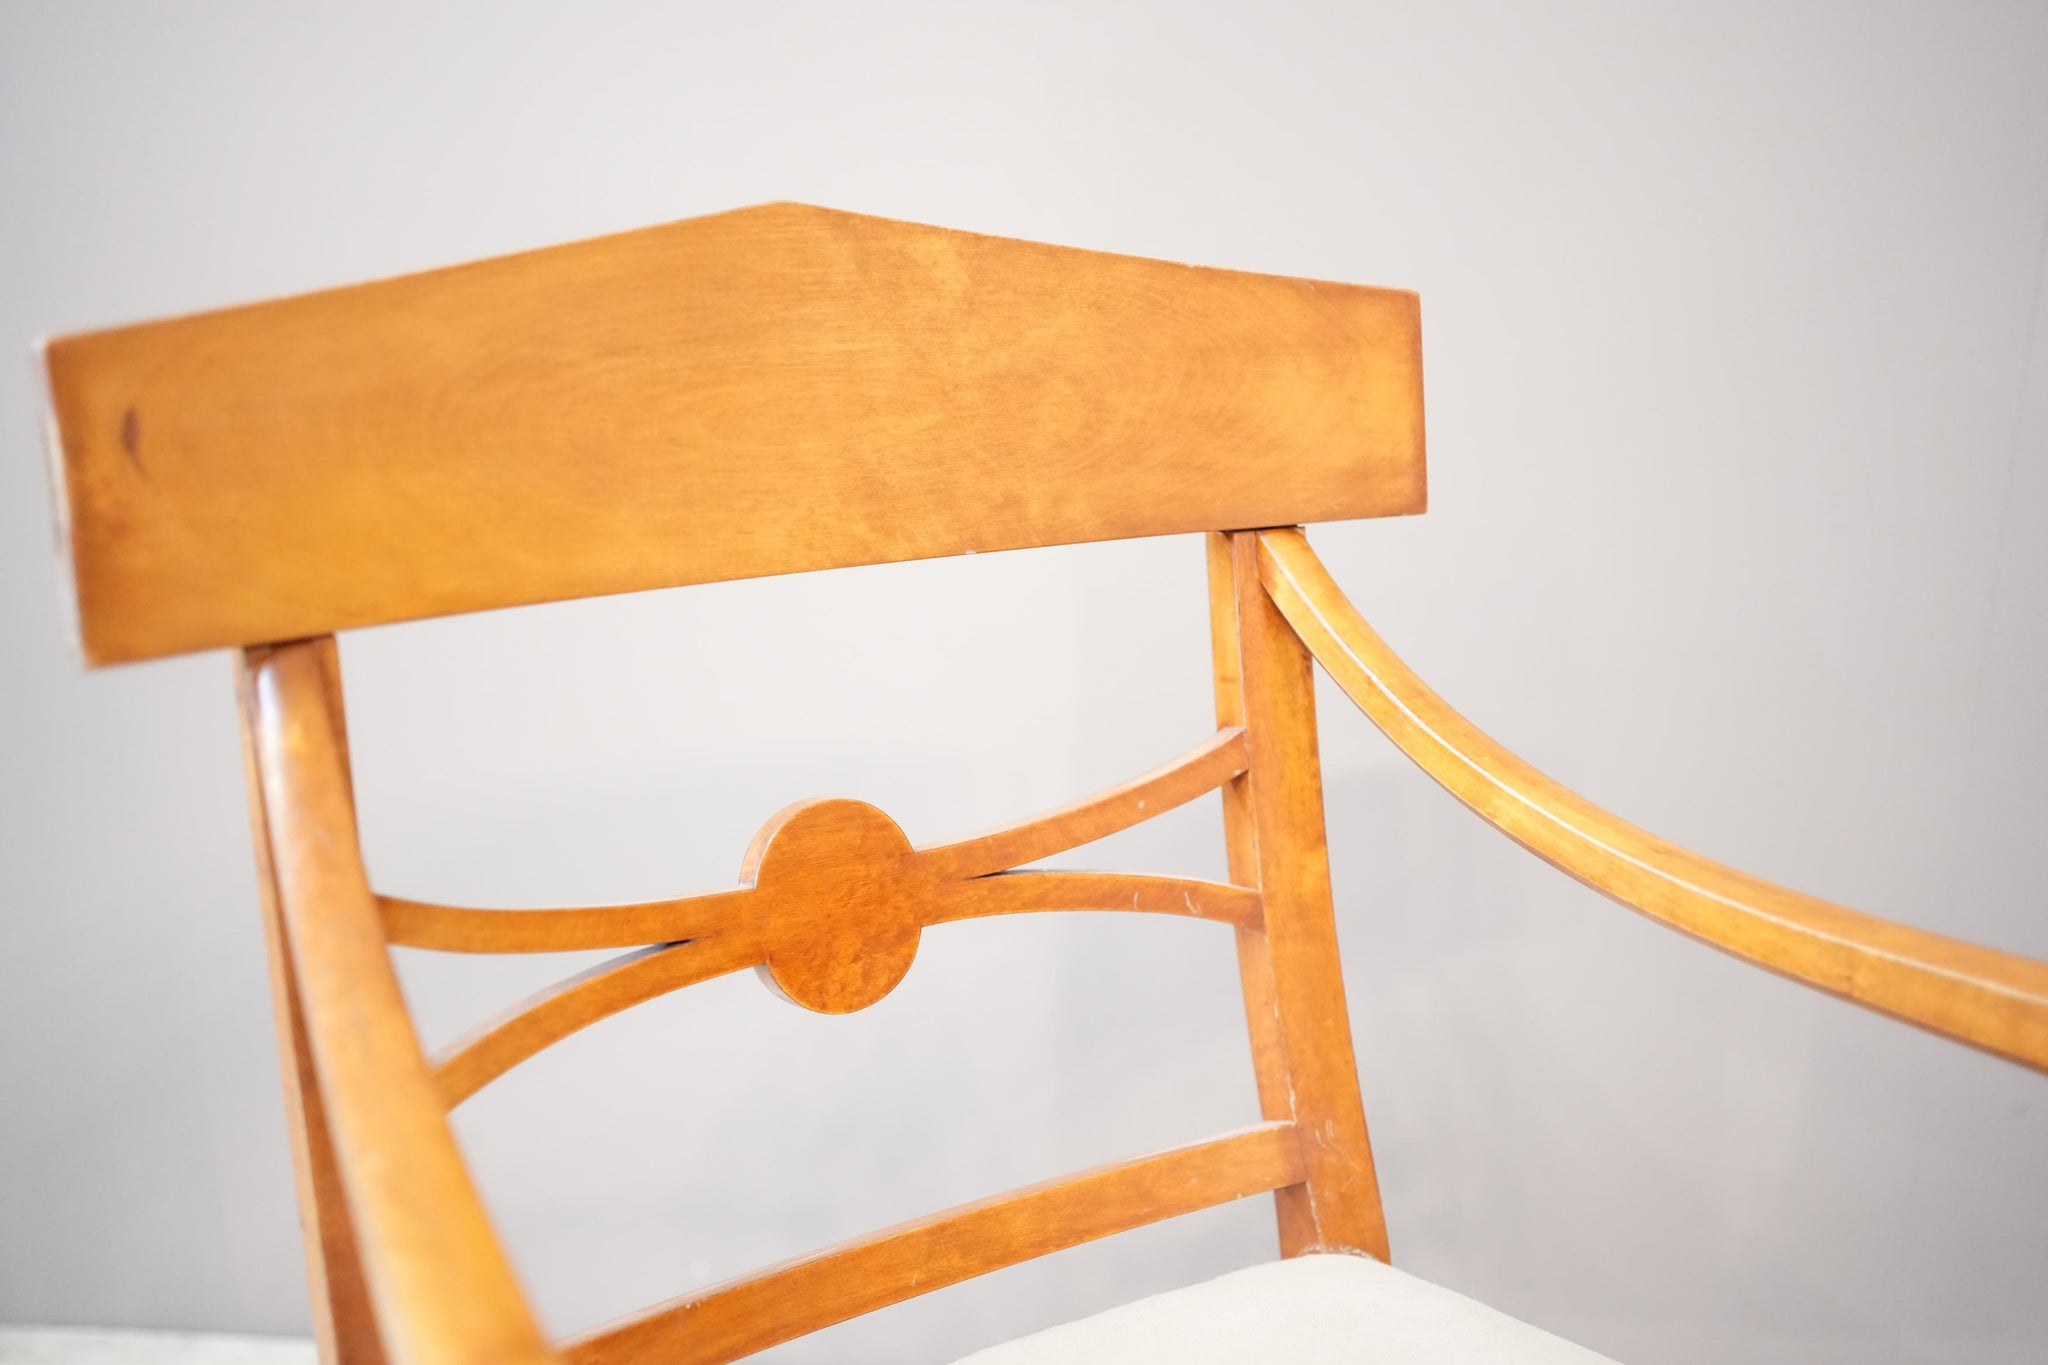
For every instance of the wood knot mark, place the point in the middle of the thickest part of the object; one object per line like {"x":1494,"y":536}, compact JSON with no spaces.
{"x":131,"y":439}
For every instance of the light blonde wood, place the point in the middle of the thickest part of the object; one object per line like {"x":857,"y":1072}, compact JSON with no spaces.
{"x":1988,"y":999}
{"x":599,"y":992}
{"x":741,"y":1317}
{"x":344,"y":1323}
{"x":458,"y":929}
{"x":1294,"y":991}
{"x":1254,"y":968}
{"x":944,"y":882}
{"x":547,"y":1017}
{"x":770,"y":390}
{"x":831,"y":908}
{"x":767,"y":391}
{"x":1202,"y":769}
{"x":441,"y":1289}
{"x":1010,"y":893}
{"x":840,"y":909}
{"x":448,"y":928}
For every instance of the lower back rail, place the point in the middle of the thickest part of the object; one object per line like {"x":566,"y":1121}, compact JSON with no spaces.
{"x":786,"y":1301}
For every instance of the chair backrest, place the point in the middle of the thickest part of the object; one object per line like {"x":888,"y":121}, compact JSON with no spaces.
{"x":757,"y":392}
{"x":766,"y":391}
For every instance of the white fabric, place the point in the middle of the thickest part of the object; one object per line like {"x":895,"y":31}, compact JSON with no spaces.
{"x":1312,"y":1310}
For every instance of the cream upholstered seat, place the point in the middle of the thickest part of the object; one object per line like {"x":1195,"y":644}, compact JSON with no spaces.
{"x":1311,"y":1310}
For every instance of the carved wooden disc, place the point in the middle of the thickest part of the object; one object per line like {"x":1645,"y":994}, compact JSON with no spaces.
{"x":839,"y":910}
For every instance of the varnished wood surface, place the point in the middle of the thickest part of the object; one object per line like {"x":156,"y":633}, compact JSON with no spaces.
{"x":1293,"y":986}
{"x":785,"y":1301}
{"x":1991,"y":1000}
{"x":831,"y":907}
{"x":1202,"y":769}
{"x":440,"y":1286}
{"x":950,"y":881}
{"x":553,"y":1013}
{"x":597,"y":993}
{"x":769,"y":390}
{"x":460,"y":929}
{"x":1240,"y":840}
{"x":1010,"y":893}
{"x":344,"y":1322}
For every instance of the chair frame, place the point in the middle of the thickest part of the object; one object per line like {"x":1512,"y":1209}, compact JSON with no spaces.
{"x":175,"y":523}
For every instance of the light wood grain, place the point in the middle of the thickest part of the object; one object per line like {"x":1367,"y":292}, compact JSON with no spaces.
{"x":459,"y":929}
{"x":832,"y":903}
{"x":941,"y":883}
{"x":738,"y":1318}
{"x":599,"y":992}
{"x":1302,"y":1044}
{"x":344,"y":1322}
{"x":550,"y":1015}
{"x":770,"y":390}
{"x":1240,"y":838}
{"x":1010,"y":893}
{"x":1991,"y":1000}
{"x":442,"y":1290}
{"x":1200,"y":770}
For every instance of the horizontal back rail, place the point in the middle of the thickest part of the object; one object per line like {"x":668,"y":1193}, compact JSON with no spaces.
{"x":785,"y":1301}
{"x":1991,"y":1000}
{"x":765,"y":391}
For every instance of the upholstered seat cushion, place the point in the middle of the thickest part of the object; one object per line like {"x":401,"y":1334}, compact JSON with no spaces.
{"x":1312,"y":1310}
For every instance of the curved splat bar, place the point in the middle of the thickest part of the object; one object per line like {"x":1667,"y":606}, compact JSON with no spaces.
{"x":945,"y":871}
{"x":566,"y":1007}
{"x":1988,"y":999}
{"x":755,"y":1312}
{"x":1009,"y":893}
{"x":832,"y":903}
{"x":1202,"y":769}
{"x":848,"y":976}
{"x":452,"y":929}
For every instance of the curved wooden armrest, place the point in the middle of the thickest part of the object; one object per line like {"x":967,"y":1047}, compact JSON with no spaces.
{"x":442,"y":1290}
{"x":1990,"y":1000}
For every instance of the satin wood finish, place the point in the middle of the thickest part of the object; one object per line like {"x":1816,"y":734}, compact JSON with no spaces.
{"x":765,"y":391}
{"x":440,"y":1288}
{"x":344,"y":1321}
{"x":601,"y":991}
{"x":1988,"y":999}
{"x":831,"y":908}
{"x":1293,"y":989}
{"x":832,"y":903}
{"x":785,"y":1301}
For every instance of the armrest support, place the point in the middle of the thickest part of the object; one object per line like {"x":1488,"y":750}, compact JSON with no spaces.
{"x":1991,"y":1000}
{"x":442,"y":1289}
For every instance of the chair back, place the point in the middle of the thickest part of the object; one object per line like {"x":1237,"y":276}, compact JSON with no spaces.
{"x":772,"y":390}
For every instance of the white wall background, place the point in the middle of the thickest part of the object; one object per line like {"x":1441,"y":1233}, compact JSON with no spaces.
{"x":1739,"y":460}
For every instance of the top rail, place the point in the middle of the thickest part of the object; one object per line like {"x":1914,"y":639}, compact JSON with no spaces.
{"x":1991,"y":1000}
{"x":766,"y":391}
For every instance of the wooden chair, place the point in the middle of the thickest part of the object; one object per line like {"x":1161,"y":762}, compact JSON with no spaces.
{"x":788,"y":388}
